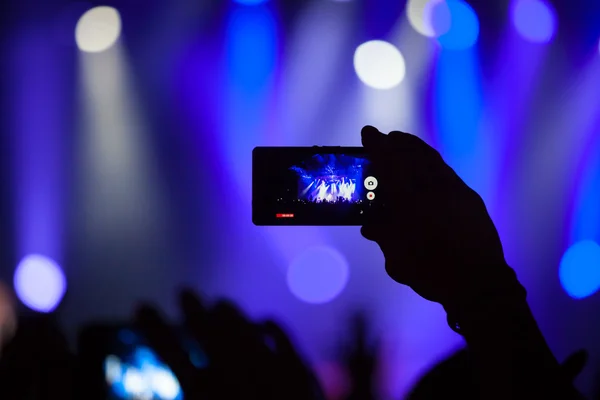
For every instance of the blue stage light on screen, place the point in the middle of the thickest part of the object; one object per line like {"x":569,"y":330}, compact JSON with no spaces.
{"x":141,"y":375}
{"x":40,"y":283}
{"x":113,"y":369}
{"x":535,"y":20}
{"x":580,"y":269}
{"x":331,"y":178}
{"x":318,"y":275}
{"x":330,"y":188}
{"x":456,"y":23}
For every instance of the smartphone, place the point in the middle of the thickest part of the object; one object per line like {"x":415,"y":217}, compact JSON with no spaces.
{"x":314,"y":186}
{"x":116,"y":363}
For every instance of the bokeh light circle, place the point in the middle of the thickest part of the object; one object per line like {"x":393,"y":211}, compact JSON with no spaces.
{"x":535,"y":20}
{"x":250,"y":2}
{"x":98,"y":29}
{"x":456,"y":23}
{"x":39,"y":283}
{"x":579,"y":270}
{"x":318,"y":275}
{"x":379,"y":64}
{"x":419,"y":15}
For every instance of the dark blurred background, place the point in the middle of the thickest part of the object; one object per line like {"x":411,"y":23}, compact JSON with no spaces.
{"x":126,"y":138}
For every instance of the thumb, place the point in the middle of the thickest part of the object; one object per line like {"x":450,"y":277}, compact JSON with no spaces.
{"x":371,"y":137}
{"x":574,"y":364}
{"x":369,"y":233}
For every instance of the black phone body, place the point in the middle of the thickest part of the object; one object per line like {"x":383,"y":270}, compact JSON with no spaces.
{"x":312,"y":186}
{"x":116,"y":363}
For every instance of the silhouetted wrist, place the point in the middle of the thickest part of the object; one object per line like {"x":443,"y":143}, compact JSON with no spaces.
{"x":511,"y":352}
{"x":497,"y":294}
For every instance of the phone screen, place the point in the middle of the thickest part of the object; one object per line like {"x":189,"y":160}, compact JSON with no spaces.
{"x":132,"y":370}
{"x":117,"y":363}
{"x":312,"y":186}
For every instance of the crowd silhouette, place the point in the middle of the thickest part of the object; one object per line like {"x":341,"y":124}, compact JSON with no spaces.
{"x":437,"y":238}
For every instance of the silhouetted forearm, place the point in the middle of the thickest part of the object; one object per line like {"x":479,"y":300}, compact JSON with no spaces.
{"x":511,"y":357}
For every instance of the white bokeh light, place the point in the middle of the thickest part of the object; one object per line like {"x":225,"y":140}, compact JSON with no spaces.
{"x":98,"y":29}
{"x":419,"y":14}
{"x":39,"y":283}
{"x":318,"y":275}
{"x":379,"y":64}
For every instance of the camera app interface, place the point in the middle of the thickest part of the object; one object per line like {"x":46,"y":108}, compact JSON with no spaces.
{"x":322,"y":186}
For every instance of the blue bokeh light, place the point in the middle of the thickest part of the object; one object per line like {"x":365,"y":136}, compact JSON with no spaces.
{"x":39,"y":283}
{"x":456,"y":24}
{"x":458,"y":122}
{"x":318,"y":275}
{"x":535,"y":20}
{"x":250,"y":2}
{"x":580,"y":269}
{"x":586,"y":213}
{"x":251,"y":59}
{"x":251,"y":48}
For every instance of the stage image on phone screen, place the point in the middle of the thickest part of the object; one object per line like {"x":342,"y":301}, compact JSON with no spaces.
{"x":311,"y":186}
{"x":133,"y":371}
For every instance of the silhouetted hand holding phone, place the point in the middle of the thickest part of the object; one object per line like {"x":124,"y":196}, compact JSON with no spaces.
{"x":436,"y":234}
{"x":438,"y":238}
{"x":245,"y":359}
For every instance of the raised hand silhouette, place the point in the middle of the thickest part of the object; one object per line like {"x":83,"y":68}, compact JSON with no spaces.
{"x":435,"y":232}
{"x":245,"y":359}
{"x":361,"y":360}
{"x":438,"y":238}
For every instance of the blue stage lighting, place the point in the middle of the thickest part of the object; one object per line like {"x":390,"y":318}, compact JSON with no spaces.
{"x":580,"y":269}
{"x":459,"y":22}
{"x":250,"y":2}
{"x":535,"y":20}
